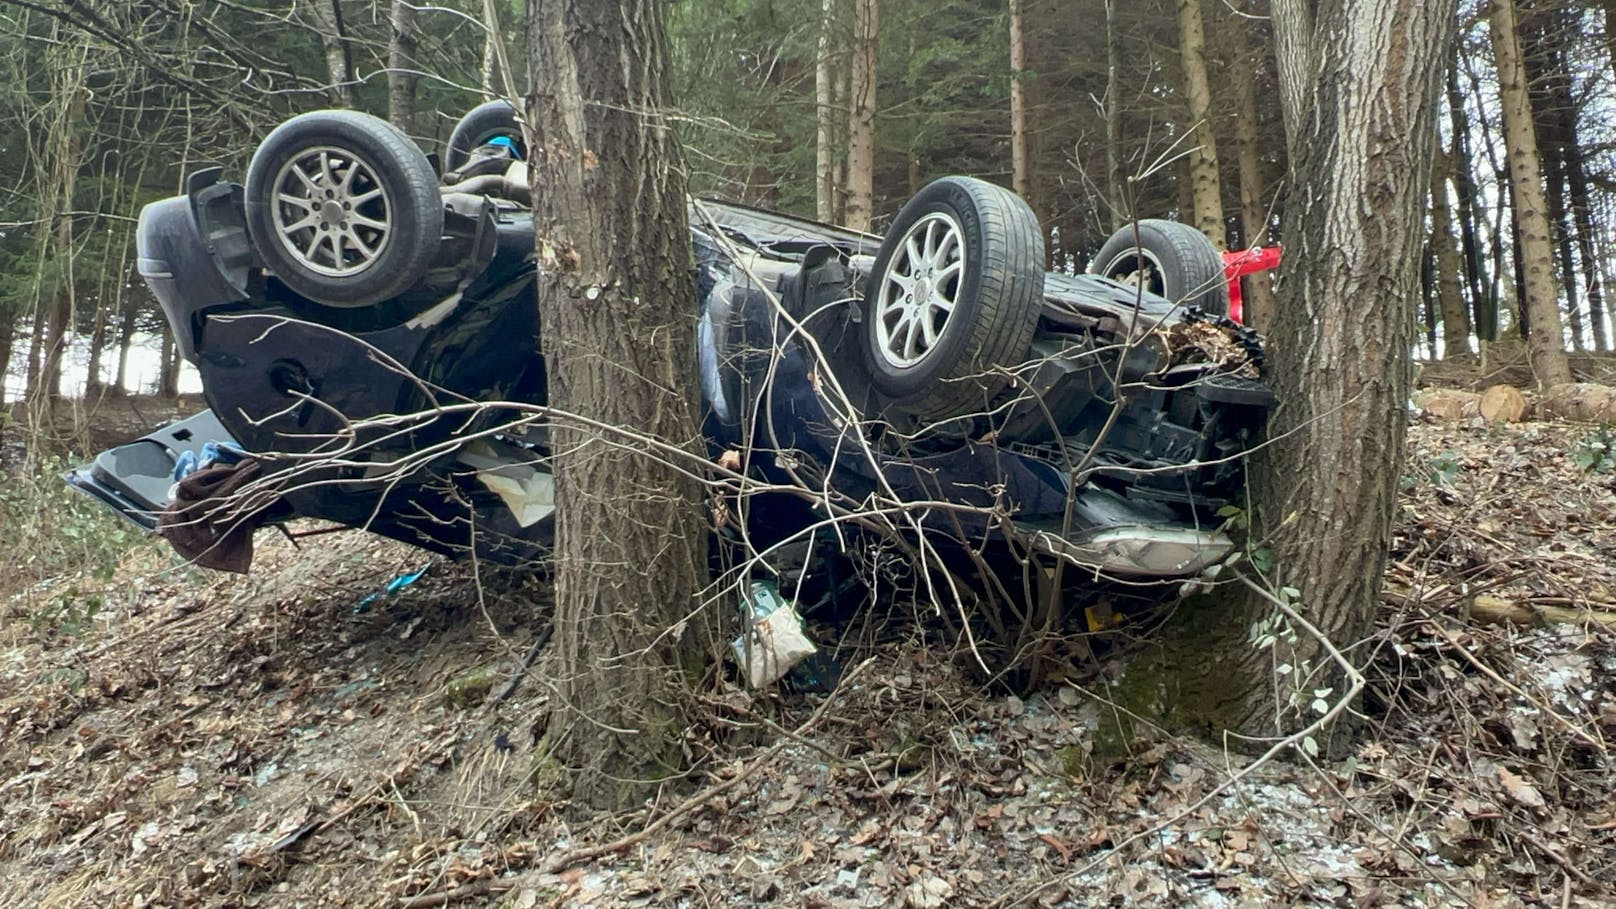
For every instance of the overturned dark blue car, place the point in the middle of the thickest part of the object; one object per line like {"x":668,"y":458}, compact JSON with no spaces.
{"x":365,"y":324}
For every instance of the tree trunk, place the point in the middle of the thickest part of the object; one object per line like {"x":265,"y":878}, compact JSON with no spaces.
{"x":1483,"y":290}
{"x":66,"y":149}
{"x":861,"y":117}
{"x":1455,"y":318}
{"x":1359,"y":166}
{"x":618,"y":337}
{"x":1203,"y":143}
{"x":1258,"y":291}
{"x":126,"y":339}
{"x":1610,"y":31}
{"x":401,"y":68}
{"x":1547,"y":344}
{"x":36,"y":343}
{"x":1120,"y":206}
{"x":1586,"y":230}
{"x":168,"y":368}
{"x":93,"y":386}
{"x":8,"y":337}
{"x":828,"y":114}
{"x":1020,"y":168}
{"x":338,"y":56}
{"x":1548,"y":88}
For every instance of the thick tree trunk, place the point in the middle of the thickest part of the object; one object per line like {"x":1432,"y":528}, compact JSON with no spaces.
{"x":1258,"y":288}
{"x":1203,"y":142}
{"x":861,"y":115}
{"x":1548,"y":88}
{"x":617,"y":311}
{"x":401,"y":67}
{"x":827,"y":111}
{"x":1546,"y":342}
{"x":1455,"y":318}
{"x":338,"y":56}
{"x":1359,"y":167}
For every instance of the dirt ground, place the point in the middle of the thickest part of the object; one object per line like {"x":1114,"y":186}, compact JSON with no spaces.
{"x":269,"y":740}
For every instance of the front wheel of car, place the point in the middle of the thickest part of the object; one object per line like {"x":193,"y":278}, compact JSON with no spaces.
{"x":953,"y":298}
{"x":1168,"y":259}
{"x":343,"y":208}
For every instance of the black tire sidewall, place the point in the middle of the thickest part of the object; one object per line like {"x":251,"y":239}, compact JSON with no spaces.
{"x":481,"y":123}
{"x":415,"y":207}
{"x":1192,"y":268}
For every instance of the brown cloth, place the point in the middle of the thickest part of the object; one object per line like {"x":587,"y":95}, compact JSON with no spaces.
{"x":205,"y":525}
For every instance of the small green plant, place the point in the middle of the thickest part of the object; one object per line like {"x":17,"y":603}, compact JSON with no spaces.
{"x":1441,"y":470}
{"x":62,"y":547}
{"x":1596,"y":452}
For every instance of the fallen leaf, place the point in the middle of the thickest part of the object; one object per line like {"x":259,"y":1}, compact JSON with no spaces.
{"x":1520,"y":790}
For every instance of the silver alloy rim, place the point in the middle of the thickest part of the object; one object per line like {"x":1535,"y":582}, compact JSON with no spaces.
{"x":1138,"y":267}
{"x":331,"y":212}
{"x":920,"y":289}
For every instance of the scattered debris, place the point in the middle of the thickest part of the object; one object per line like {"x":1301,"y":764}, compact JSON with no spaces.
{"x":257,"y":742}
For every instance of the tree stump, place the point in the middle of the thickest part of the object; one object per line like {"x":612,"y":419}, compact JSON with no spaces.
{"x":1449,"y":405}
{"x":1582,"y":402}
{"x":1504,"y":404}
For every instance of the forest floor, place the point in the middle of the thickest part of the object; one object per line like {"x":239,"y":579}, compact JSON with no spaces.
{"x":214,"y":740}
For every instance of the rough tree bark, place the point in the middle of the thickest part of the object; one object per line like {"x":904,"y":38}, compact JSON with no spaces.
{"x":1208,"y":190}
{"x":338,"y":55}
{"x":861,"y":115}
{"x":401,"y":67}
{"x":1548,"y":87}
{"x":617,"y":309}
{"x":1455,"y":317}
{"x":1546,"y":341}
{"x":1258,"y":288}
{"x":1359,"y":84}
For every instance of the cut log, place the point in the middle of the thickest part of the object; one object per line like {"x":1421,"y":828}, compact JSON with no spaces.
{"x":1582,"y":402}
{"x":1498,"y":611}
{"x":1449,"y":404}
{"x":1504,"y":404}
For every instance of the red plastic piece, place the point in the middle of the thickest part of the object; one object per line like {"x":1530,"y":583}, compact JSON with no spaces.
{"x":1240,"y":262}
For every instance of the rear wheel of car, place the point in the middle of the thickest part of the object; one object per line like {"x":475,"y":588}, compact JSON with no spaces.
{"x":493,"y":120}
{"x":1168,"y":259}
{"x":953,"y":297}
{"x":343,"y":208}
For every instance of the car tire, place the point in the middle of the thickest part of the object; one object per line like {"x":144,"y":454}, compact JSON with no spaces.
{"x":936,"y":327}
{"x":485,"y":121}
{"x":343,"y":208}
{"x":1169,"y":259}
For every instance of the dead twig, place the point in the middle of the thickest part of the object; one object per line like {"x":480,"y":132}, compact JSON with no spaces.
{"x":455,"y":895}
